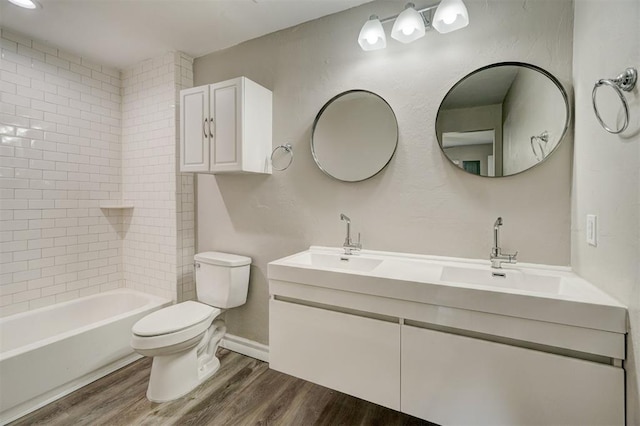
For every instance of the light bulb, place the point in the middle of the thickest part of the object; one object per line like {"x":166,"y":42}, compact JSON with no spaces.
{"x":450,"y":15}
{"x":371,"y":35}
{"x":449,"y":18}
{"x":372,"y":38}
{"x":409,"y":25}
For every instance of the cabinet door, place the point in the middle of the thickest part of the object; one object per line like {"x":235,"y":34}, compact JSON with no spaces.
{"x":226,"y":125}
{"x":455,"y":380}
{"x":194,"y":129}
{"x":351,"y":354}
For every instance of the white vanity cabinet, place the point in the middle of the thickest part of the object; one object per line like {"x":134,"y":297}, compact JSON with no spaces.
{"x":356,"y":355}
{"x":458,"y":380}
{"x":226,"y":127}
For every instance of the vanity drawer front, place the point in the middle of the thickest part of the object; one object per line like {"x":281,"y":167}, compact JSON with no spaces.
{"x":351,"y":354}
{"x":451,"y":379}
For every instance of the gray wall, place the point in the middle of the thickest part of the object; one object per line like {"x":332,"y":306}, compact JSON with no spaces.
{"x":421,"y":202}
{"x":606,"y":179}
{"x":532,"y":106}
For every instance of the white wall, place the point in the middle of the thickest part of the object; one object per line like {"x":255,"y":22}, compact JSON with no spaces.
{"x":60,"y":156}
{"x":607,"y":167}
{"x":421,"y":202}
{"x":153,"y":254}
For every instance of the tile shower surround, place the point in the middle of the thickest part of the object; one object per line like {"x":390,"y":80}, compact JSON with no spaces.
{"x":62,"y":153}
{"x":158,"y":247}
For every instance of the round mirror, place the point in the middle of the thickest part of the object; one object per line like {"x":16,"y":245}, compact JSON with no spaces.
{"x":354,"y":136}
{"x":502,"y":119}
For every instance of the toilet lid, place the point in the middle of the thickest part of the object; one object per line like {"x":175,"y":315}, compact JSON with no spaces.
{"x":174,"y":318}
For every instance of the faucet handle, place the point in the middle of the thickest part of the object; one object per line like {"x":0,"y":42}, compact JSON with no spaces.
{"x":359,"y":244}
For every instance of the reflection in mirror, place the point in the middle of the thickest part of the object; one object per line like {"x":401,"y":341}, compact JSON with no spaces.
{"x":502,"y":119}
{"x":354,"y":136}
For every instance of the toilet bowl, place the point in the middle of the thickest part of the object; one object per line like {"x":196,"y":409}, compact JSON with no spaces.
{"x":183,"y":338}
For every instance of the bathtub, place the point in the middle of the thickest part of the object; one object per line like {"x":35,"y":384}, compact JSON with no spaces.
{"x":49,"y":352}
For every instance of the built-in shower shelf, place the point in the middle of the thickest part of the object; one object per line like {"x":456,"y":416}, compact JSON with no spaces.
{"x":115,"y":205}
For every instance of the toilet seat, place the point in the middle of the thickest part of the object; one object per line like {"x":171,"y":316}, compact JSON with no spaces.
{"x":172,"y":325}
{"x":173,"y":319}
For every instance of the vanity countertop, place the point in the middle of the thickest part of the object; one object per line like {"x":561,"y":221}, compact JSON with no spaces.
{"x":538,"y":292}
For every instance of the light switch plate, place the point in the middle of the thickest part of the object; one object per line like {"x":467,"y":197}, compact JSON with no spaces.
{"x":592,"y":230}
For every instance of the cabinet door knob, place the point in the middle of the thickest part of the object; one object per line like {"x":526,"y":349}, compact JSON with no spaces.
{"x":204,"y":128}
{"x":210,"y":123}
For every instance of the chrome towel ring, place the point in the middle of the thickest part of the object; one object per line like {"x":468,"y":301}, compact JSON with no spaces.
{"x":286,"y":149}
{"x":625,"y":81}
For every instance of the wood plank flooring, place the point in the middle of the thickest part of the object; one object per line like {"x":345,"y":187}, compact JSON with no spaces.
{"x":243,"y":392}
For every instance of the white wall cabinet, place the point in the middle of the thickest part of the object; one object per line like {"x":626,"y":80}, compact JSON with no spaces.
{"x":226,"y":127}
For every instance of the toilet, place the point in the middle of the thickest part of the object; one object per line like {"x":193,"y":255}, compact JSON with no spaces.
{"x":183,"y":338}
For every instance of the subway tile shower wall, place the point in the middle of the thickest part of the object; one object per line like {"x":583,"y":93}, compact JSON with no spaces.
{"x":60,"y":126}
{"x":75,"y":133}
{"x":158,"y":228}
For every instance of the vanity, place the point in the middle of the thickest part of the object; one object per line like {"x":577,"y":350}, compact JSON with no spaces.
{"x":448,"y":340}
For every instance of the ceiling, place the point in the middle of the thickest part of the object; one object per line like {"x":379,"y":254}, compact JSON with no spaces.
{"x":488,"y":87}
{"x":121,"y":33}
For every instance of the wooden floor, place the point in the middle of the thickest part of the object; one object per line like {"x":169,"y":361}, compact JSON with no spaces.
{"x":243,"y":392}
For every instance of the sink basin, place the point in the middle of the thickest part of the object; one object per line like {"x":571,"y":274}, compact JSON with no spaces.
{"x":502,"y":278}
{"x":544,"y":293}
{"x":335,"y":261}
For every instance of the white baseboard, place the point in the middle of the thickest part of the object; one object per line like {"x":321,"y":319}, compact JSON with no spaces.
{"x":246,"y":347}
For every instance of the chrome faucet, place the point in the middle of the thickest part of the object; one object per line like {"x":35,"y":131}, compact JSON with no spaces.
{"x":497,"y":257}
{"x":350,"y":246}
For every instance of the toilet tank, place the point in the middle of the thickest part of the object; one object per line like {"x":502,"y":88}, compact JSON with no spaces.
{"x":222,"y":279}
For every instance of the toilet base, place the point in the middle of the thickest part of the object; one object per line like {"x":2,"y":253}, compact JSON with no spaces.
{"x":175,"y":375}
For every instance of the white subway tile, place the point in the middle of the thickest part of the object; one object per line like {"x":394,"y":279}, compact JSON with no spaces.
{"x":10,"y":35}
{"x":7,"y":87}
{"x":53,"y":290}
{"x":44,"y":48}
{"x":56,"y":99}
{"x":14,"y":141}
{"x":25,"y":296}
{"x":29,"y":133}
{"x":41,"y":204}
{"x":30,"y":53}
{"x":69,"y":57}
{"x":18,"y":79}
{"x":17,"y":100}
{"x":40,"y":243}
{"x":43,"y":106}
{"x":8,"y":45}
{"x":13,"y":57}
{"x":26,"y":255}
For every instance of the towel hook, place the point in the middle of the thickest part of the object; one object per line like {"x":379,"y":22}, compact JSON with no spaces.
{"x":625,"y":81}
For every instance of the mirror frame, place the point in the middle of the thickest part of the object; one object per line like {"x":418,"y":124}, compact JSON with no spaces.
{"x":542,"y":71}
{"x":325,"y":106}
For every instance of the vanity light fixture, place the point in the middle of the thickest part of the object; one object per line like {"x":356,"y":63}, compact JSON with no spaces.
{"x":411,"y":24}
{"x":27,"y":4}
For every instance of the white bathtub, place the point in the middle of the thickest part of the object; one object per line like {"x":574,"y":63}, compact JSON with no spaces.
{"x":49,"y":352}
